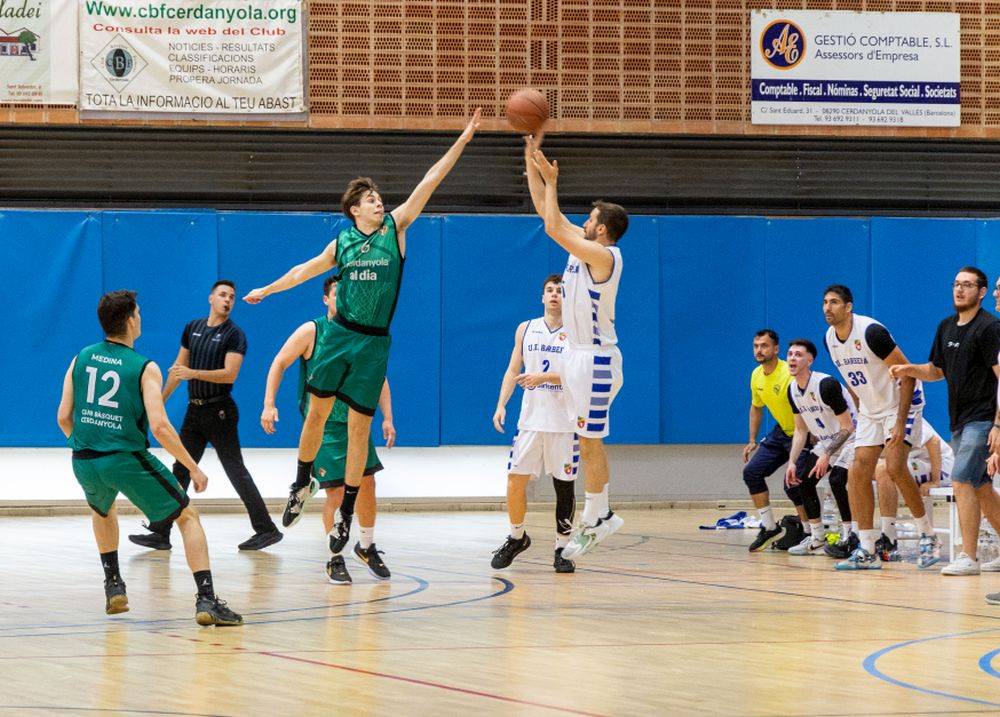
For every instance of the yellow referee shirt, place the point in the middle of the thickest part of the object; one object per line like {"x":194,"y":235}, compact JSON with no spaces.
{"x":771,"y":390}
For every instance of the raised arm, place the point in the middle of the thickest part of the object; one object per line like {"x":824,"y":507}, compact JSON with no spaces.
{"x":407,"y":212}
{"x":509,"y":378}
{"x":536,"y":185}
{"x":566,"y":234}
{"x":64,"y":416}
{"x":159,"y":424}
{"x":926,"y":372}
{"x":297,"y":274}
{"x":298,"y":344}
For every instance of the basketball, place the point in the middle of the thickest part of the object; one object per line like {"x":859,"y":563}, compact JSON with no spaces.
{"x":527,"y":111}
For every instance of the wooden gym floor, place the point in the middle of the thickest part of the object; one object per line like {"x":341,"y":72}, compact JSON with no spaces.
{"x":661,"y":620}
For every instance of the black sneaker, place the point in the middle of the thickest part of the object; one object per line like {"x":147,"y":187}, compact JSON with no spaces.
{"x":505,"y":554}
{"x":213,"y":611}
{"x":887,"y":550}
{"x":561,"y":564}
{"x":261,"y":540}
{"x":369,"y":557}
{"x":341,"y":534}
{"x":764,"y":538}
{"x":843,"y":548}
{"x":297,"y":499}
{"x":794,"y":533}
{"x":151,"y":540}
{"x":116,"y":600}
{"x":336,"y":570}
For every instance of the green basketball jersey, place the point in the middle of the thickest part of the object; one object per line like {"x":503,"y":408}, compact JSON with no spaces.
{"x":108,"y":413}
{"x":338,"y":414}
{"x":371,"y":269}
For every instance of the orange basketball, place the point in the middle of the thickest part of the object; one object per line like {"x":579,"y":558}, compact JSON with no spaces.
{"x":527,"y":111}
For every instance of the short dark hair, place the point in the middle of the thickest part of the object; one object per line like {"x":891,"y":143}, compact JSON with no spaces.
{"x":330,"y":281}
{"x":980,"y":275}
{"x":552,"y":279}
{"x":806,"y":344}
{"x":768,"y":332}
{"x":840,"y":290}
{"x":223,"y":282}
{"x":355,"y":192}
{"x":613,"y":217}
{"x":114,"y":310}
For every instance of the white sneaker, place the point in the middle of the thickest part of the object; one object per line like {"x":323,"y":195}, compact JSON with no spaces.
{"x":588,"y":536}
{"x":807,"y":547}
{"x":992,"y":566}
{"x":963,"y":565}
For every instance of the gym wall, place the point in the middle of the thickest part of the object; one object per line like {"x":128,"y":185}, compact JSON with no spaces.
{"x":695,"y":289}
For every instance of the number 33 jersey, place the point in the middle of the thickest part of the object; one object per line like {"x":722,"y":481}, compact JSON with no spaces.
{"x":543,"y":408}
{"x":108,"y":412}
{"x":861,"y":361}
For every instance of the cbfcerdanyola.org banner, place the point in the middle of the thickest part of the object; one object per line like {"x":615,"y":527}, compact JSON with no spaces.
{"x":210,"y":56}
{"x":38,"y":57}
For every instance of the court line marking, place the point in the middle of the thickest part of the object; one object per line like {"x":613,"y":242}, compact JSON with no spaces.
{"x":666,"y":578}
{"x":436,"y":685}
{"x":116,"y":710}
{"x":871,"y":667}
{"x":421,"y":586}
{"x":986,"y":663}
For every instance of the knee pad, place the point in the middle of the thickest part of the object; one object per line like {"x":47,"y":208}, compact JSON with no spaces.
{"x":565,"y":505}
{"x":794,"y":494}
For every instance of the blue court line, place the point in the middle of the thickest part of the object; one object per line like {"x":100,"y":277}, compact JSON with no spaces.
{"x":986,"y":663}
{"x":507,"y":587}
{"x":871,"y":668}
{"x":421,"y":586}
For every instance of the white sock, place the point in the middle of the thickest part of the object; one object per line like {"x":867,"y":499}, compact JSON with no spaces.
{"x":929,"y":510}
{"x":561,"y":540}
{"x":817,"y":532}
{"x":591,"y":508}
{"x":889,"y":528}
{"x":845,"y":531}
{"x":924,"y":526}
{"x":767,"y":517}
{"x":807,"y":528}
{"x":603,"y":506}
{"x":367,"y":536}
{"x":868,"y":538}
{"x":517,"y":531}
{"x":854,"y":527}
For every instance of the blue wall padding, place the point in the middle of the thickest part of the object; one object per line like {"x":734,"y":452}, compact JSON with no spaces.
{"x":694,"y":291}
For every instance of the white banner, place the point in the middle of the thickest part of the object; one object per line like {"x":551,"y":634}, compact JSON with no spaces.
{"x":855,"y":68}
{"x":38,"y":52}
{"x":191,"y":56}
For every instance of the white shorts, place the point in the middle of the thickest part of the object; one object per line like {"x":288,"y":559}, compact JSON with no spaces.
{"x":538,"y":453}
{"x":876,"y":431}
{"x":920,"y":469}
{"x":591,"y":379}
{"x":842,"y":459}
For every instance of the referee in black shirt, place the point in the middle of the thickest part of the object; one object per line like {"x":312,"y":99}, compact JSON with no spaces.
{"x":209,"y":359}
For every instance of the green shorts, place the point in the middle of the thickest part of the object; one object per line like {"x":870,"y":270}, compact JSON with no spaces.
{"x":139,"y":475}
{"x":350,"y":366}
{"x":330,"y":464}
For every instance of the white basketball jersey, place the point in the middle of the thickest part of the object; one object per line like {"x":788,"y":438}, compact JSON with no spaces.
{"x":818,"y":415}
{"x":865,"y":373}
{"x":543,"y":408}
{"x":922,"y":455}
{"x":588,"y":306}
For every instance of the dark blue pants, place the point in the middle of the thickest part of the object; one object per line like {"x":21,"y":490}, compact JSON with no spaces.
{"x":771,"y":454}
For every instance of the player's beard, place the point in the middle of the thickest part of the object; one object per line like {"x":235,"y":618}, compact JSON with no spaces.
{"x":970,"y":304}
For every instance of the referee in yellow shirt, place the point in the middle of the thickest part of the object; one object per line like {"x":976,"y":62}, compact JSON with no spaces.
{"x":769,"y":387}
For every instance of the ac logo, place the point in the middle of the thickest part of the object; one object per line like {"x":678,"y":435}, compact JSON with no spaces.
{"x":782,"y":44}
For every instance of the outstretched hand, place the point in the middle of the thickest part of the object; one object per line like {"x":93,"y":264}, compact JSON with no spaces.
{"x":548,"y":170}
{"x":470,"y":129}
{"x":255,"y":297}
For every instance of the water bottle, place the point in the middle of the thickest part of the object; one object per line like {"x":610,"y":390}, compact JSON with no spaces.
{"x":830,"y":516}
{"x":987,"y":545}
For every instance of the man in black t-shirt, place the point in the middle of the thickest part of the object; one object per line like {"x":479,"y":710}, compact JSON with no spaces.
{"x":964,"y":353}
{"x":209,"y":359}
